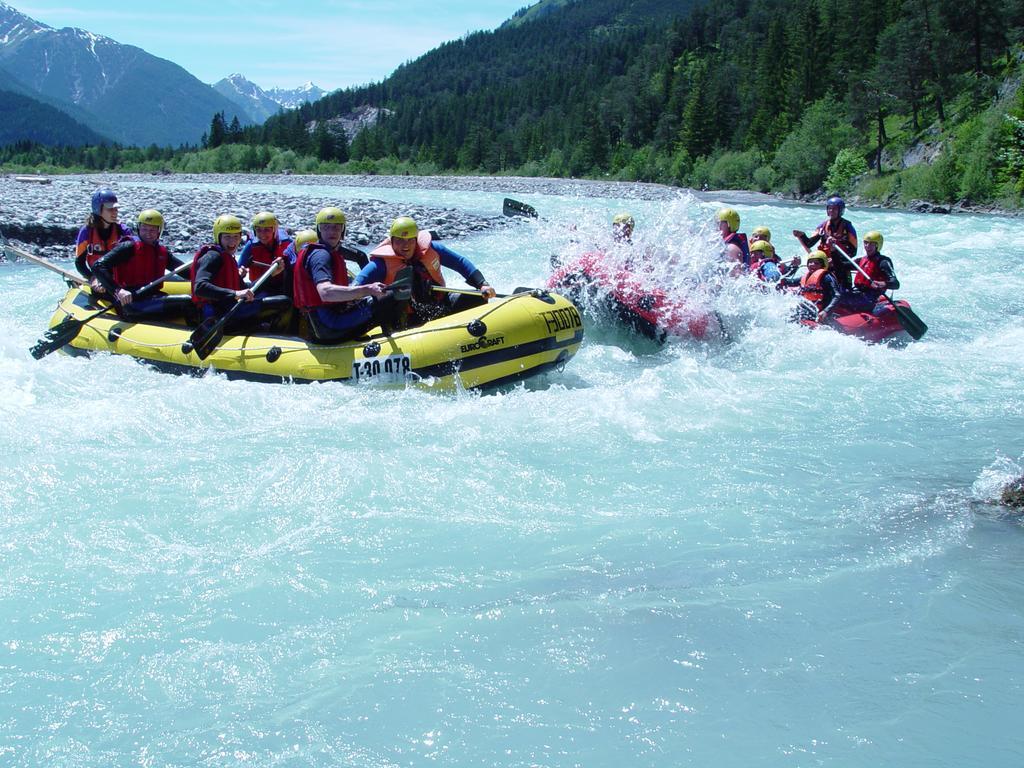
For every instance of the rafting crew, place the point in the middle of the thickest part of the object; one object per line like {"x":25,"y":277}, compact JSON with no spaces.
{"x":135,"y":262}
{"x":834,"y":231}
{"x":875,"y":276}
{"x":101,"y":232}
{"x":217,"y":283}
{"x":334,"y":310}
{"x":408,"y":247}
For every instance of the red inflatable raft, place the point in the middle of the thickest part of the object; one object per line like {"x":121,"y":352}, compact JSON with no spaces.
{"x":593,"y":284}
{"x":881,"y":325}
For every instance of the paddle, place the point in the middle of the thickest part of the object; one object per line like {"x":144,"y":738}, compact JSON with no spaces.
{"x":207,"y":336}
{"x":911,"y":323}
{"x":71,"y":277}
{"x":66,"y":330}
{"x":472,"y":292}
{"x":512,"y":207}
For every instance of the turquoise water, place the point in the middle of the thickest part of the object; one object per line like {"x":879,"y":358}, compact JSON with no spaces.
{"x":777,"y":551}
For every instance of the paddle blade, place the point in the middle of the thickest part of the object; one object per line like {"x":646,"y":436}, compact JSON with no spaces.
{"x":61,"y":334}
{"x":512,"y":207}
{"x":911,"y":323}
{"x":205,"y":338}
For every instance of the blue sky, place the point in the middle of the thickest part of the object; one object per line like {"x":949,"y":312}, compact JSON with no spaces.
{"x":334,"y":43}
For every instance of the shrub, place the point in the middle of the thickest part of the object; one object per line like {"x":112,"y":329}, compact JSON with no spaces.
{"x":846,"y":168}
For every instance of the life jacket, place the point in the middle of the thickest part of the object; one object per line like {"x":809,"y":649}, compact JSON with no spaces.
{"x":147,"y":263}
{"x":844,"y":234}
{"x":261,"y":257}
{"x":811,"y":287}
{"x":96,"y":246}
{"x":306,"y":295}
{"x":757,"y":268}
{"x":227,"y":276}
{"x":426,"y":262}
{"x":873,"y":268}
{"x":739,"y":239}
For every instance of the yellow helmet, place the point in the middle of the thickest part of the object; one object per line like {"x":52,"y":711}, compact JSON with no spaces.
{"x":761,"y":232}
{"x":403,"y":228}
{"x":624,"y":218}
{"x":331,"y":215}
{"x":264,"y":219}
{"x":820,"y":255}
{"x":730,"y":215}
{"x":763,"y":246}
{"x":303,"y":238}
{"x":226,"y":224}
{"x":152,"y":217}
{"x":874,"y":236}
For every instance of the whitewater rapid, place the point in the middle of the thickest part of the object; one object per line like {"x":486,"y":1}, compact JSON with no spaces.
{"x":779,"y":550}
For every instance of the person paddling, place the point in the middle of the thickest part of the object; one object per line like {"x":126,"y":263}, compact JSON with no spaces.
{"x":881,"y":276}
{"x":334,"y":310}
{"x":101,"y":232}
{"x":835,"y":230}
{"x":407,"y":246}
{"x":736,"y":247}
{"x":136,"y":262}
{"x":818,"y":286}
{"x":217,"y":284}
{"x":257,"y":255}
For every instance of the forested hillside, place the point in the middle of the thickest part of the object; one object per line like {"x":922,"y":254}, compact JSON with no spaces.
{"x":785,"y":95}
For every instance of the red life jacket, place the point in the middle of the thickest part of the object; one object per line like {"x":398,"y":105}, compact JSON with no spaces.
{"x":739,"y":239}
{"x":425,"y":255}
{"x":811,"y":289}
{"x":873,"y":267}
{"x":306,"y":296}
{"x":146,"y":264}
{"x":98,"y":246}
{"x":261,"y":257}
{"x":227,"y":276}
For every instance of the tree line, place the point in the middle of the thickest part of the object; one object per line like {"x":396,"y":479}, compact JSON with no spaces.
{"x":776,"y":95}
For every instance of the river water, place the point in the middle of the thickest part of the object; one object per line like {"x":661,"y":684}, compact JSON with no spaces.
{"x":778,"y":550}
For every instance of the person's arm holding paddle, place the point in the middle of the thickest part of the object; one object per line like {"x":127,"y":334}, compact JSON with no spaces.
{"x":209,"y":265}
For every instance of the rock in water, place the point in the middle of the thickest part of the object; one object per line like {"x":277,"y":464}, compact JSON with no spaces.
{"x":1013,"y":494}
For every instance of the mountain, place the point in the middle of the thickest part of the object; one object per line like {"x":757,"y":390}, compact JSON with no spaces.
{"x":22,"y":118}
{"x":259,"y":104}
{"x":118,"y":90}
{"x":495,"y":100}
{"x":248,"y":96}
{"x":296,"y":97}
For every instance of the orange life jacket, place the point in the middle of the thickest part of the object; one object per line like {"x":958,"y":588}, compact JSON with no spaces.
{"x":425,"y":256}
{"x":97,"y":246}
{"x":811,"y":288}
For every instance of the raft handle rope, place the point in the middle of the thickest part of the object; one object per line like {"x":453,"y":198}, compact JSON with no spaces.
{"x":282,"y":351}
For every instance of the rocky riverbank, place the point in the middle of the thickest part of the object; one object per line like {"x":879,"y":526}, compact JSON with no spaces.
{"x":48,"y":216}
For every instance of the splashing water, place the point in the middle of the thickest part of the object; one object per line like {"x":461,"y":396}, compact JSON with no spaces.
{"x":766,"y":551}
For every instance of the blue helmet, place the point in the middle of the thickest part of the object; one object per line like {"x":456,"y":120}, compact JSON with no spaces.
{"x":836,"y":200}
{"x":101,"y":197}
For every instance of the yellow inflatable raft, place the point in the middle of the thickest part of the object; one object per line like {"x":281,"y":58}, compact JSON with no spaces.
{"x":509,"y":338}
